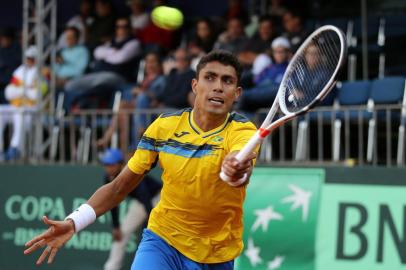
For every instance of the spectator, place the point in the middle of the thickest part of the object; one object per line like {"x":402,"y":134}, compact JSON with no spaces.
{"x":177,"y":93}
{"x":277,"y":8}
{"x":152,"y":85}
{"x":313,"y":70}
{"x":294,"y":29}
{"x":102,"y":29}
{"x":267,"y":83}
{"x":142,"y":199}
{"x":82,"y":21}
{"x":236,"y":9}
{"x":234,"y":38}
{"x":139,"y":17}
{"x":155,"y":38}
{"x":178,"y":89}
{"x":10,"y":58}
{"x":72,"y":60}
{"x":114,"y":66}
{"x":260,"y":42}
{"x":23,"y":93}
{"x":203,"y":40}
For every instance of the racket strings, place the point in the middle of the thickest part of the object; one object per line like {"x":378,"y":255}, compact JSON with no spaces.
{"x":311,"y":71}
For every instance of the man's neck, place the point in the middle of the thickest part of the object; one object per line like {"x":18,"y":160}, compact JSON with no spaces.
{"x":207,"y":121}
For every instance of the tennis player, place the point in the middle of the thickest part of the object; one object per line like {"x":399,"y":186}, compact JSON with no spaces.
{"x":198,"y":222}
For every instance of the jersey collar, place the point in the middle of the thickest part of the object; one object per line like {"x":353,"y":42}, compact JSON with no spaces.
{"x":208,"y":133}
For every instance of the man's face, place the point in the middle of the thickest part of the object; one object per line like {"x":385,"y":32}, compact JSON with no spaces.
{"x":234,"y":28}
{"x":122,"y":29}
{"x":280,"y":55}
{"x":181,"y":60}
{"x":203,"y":30}
{"x":265,"y":30}
{"x":152,"y":64}
{"x":216,"y":88}
{"x":30,"y":61}
{"x":311,"y":56}
{"x":291,"y":23}
{"x":71,"y":38}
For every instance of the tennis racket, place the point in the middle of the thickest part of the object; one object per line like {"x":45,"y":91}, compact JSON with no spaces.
{"x":309,"y":77}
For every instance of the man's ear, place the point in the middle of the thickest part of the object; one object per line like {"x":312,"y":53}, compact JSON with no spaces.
{"x":238,"y":92}
{"x":194,"y":84}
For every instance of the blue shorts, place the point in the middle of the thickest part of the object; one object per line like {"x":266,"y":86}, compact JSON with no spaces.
{"x":155,"y":254}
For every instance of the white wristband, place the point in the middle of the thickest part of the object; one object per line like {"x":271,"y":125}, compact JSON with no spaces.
{"x":82,"y":217}
{"x":239,"y":182}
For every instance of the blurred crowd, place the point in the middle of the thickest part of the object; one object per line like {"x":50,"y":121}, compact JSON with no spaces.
{"x":101,"y":52}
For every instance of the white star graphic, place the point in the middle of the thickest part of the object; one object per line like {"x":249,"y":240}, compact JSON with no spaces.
{"x":263,"y":218}
{"x":252,"y":252}
{"x":299,"y":198}
{"x":276,"y":262}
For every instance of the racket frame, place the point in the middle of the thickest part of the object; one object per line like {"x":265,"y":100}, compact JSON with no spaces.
{"x":267,"y":126}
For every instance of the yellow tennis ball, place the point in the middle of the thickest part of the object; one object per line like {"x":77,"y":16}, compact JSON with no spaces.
{"x":167,"y":17}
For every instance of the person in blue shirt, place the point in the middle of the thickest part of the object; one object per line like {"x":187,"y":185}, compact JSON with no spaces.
{"x":72,"y":60}
{"x":267,"y":82}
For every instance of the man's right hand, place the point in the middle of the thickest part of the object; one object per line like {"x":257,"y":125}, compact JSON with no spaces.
{"x":58,"y":233}
{"x":117,"y":235}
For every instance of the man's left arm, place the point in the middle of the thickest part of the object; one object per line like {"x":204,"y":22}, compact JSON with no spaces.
{"x":130,"y":50}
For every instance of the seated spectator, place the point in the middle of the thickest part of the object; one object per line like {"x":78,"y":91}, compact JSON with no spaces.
{"x":139,"y":17}
{"x":82,"y":21}
{"x":177,"y":93}
{"x":154,"y":38}
{"x":23,"y":93}
{"x":114,"y":66}
{"x":178,"y":88}
{"x":10,"y":58}
{"x":259,"y":43}
{"x":152,"y":85}
{"x":277,"y":8}
{"x":102,"y":28}
{"x":234,"y":38}
{"x":236,"y":9}
{"x":268,"y":81}
{"x":72,"y":60}
{"x":202,"y":41}
{"x":294,"y":29}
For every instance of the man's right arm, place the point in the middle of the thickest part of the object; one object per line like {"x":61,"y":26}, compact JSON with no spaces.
{"x":111,"y":194}
{"x":105,"y":198}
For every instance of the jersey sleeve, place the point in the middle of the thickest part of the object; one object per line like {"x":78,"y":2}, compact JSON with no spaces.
{"x":241,"y":135}
{"x":147,"y":150}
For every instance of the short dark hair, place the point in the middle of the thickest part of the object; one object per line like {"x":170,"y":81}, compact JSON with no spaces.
{"x":265,"y":18}
{"x":75,"y":31}
{"x":224,"y":57}
{"x":124,"y":18}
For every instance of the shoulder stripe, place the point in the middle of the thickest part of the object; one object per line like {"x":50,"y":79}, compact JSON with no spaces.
{"x":148,"y":143}
{"x":239,"y":118}
{"x":176,"y":113}
{"x":171,"y":146}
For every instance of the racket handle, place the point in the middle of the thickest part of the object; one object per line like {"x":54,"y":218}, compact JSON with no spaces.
{"x":244,"y":153}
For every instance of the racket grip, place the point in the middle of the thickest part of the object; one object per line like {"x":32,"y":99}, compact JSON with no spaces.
{"x":245,"y":151}
{"x":224,"y":177}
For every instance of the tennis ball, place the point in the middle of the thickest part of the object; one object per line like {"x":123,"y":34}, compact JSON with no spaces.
{"x":167,"y":17}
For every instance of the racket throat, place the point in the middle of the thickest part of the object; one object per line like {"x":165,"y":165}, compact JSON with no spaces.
{"x":263,"y":132}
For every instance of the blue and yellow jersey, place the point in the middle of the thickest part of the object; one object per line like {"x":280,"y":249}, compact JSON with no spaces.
{"x":198,"y":214}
